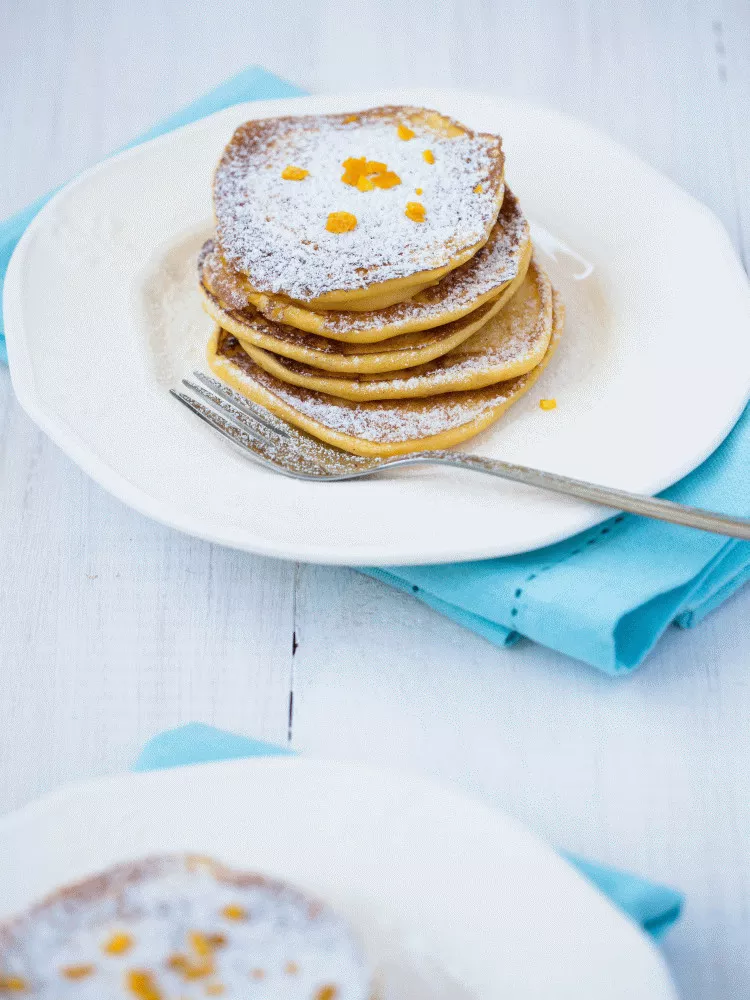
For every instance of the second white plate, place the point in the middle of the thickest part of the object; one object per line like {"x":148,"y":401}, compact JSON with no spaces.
{"x":102,"y":316}
{"x":453,"y":899}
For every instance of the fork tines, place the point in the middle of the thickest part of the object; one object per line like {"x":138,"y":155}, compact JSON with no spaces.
{"x":237,"y":419}
{"x":231,"y":403}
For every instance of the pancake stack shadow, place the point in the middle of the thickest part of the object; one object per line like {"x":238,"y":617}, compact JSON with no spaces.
{"x":372,"y":279}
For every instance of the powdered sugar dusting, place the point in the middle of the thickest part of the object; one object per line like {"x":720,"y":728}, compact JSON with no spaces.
{"x":493,"y":266}
{"x":384,"y":422}
{"x":158,"y":903}
{"x":274,"y":230}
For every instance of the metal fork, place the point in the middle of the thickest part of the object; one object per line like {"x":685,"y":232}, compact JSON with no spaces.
{"x":279,"y":446}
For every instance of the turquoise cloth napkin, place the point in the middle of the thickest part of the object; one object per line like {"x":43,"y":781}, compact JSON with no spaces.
{"x":603,"y":597}
{"x":607,"y":595}
{"x":654,"y":907}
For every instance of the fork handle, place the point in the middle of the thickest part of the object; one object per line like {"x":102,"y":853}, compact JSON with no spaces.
{"x":633,"y":503}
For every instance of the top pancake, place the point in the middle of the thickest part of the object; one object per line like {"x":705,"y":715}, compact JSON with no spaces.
{"x":274,"y":230}
{"x":463,"y":290}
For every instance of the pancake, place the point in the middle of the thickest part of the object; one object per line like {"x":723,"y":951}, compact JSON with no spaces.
{"x":406,"y":351}
{"x":382,"y":428}
{"x":463,"y":290}
{"x":273,"y":230}
{"x":509,"y":344}
{"x":181,"y":927}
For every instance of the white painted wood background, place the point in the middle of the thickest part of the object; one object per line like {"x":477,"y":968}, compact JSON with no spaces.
{"x":113,"y":628}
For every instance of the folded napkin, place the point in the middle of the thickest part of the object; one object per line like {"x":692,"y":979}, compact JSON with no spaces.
{"x":607,"y":595}
{"x":654,"y":907}
{"x":604,"y":596}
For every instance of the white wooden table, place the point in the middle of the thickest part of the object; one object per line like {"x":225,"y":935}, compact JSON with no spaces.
{"x":113,"y":628}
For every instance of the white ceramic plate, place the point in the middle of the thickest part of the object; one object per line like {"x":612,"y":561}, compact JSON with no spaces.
{"x":102,"y":316}
{"x":453,"y":898}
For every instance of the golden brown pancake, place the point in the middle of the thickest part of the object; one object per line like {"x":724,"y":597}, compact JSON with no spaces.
{"x":385,"y":427}
{"x":458,"y":293}
{"x":406,"y":351}
{"x":277,"y":231}
{"x":509,"y":344}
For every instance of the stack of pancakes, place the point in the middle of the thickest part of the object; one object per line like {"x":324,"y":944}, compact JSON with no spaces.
{"x":372,"y":279}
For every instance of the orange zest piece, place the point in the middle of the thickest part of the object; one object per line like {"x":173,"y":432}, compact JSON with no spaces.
{"x":77,"y":971}
{"x":405,"y":133}
{"x":258,"y":974}
{"x":201,"y":969}
{"x":428,"y":156}
{"x":189,"y":969}
{"x":205,"y":944}
{"x":327,"y":993}
{"x":414,"y":211}
{"x":142,"y":985}
{"x":291,"y":968}
{"x":548,"y":404}
{"x":354,"y":167}
{"x":118,"y":944}
{"x":234,"y":912}
{"x":200,"y":943}
{"x":201,"y":963}
{"x":214,"y":989}
{"x":417,"y":190}
{"x":366,"y":174}
{"x":386,"y":180}
{"x":341,"y":222}
{"x":291,"y":173}
{"x":12,"y":984}
{"x":478,"y":189}
{"x":350,"y":118}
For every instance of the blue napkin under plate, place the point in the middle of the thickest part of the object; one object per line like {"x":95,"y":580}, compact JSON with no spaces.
{"x":604,"y":596}
{"x":607,"y":595}
{"x":654,"y":907}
